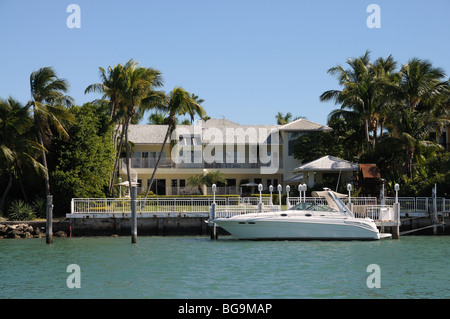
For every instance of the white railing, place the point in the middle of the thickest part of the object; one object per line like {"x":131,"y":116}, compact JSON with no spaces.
{"x":149,"y":205}
{"x":424,"y":204}
{"x":362,"y":206}
{"x":377,"y":212}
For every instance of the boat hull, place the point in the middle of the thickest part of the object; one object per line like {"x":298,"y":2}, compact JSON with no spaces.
{"x":270,"y":229}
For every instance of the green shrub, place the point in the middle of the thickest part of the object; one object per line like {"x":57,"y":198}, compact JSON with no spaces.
{"x":19,"y":210}
{"x":40,"y":207}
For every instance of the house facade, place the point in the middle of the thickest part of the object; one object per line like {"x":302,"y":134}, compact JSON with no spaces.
{"x":245,"y":154}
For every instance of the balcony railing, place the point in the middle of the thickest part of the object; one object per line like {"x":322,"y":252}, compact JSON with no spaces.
{"x":168,"y":163}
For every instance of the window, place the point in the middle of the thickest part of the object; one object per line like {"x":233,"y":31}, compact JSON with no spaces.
{"x":158,"y":186}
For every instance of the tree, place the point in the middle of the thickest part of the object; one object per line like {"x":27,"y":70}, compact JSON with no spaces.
{"x":111,"y":86}
{"x":362,"y":91}
{"x":212,"y":177}
{"x":47,"y":96}
{"x":17,"y":145}
{"x":412,"y":131}
{"x":312,"y":146}
{"x":419,"y":107}
{"x":138,"y":93}
{"x":283,"y":119}
{"x":129,"y":89}
{"x":177,"y":102}
{"x":82,"y":164}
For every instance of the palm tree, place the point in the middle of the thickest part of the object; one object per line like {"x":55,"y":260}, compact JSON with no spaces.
{"x":178,"y":102}
{"x":412,"y":132}
{"x":47,"y":96}
{"x":419,"y":107}
{"x":17,"y":146}
{"x":420,"y":82}
{"x":129,"y":89}
{"x":283,"y":119}
{"x":112,"y":86}
{"x":359,"y":90}
{"x":157,"y":118}
{"x":364,"y":91}
{"x":207,"y":179}
{"x":138,"y":94}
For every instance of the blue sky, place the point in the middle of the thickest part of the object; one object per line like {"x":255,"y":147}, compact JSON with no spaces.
{"x":247,"y":59}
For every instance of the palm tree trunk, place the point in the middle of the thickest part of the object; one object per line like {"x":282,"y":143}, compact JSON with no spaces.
{"x":19,"y":176}
{"x":367,"y":134}
{"x":128,"y":152}
{"x":159,"y":159}
{"x":44,"y":162}
{"x":409,"y":162}
{"x":7,"y":189}
{"x":117,"y":159}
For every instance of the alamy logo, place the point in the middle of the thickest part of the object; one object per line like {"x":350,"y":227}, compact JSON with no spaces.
{"x":374,"y":19}
{"x":74,"y":279}
{"x":374,"y":279}
{"x":74,"y":19}
{"x":227,"y":147}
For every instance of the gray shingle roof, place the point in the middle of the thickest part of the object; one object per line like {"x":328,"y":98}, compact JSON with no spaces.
{"x":304,"y":125}
{"x":154,"y":134}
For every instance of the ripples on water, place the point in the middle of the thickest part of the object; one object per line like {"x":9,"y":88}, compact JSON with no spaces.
{"x":196,"y":267}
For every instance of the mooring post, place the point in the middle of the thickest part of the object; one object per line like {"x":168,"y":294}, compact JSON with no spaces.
{"x":133,"y":216}
{"x":212,"y":214}
{"x":49,"y":220}
{"x":434,"y":216}
{"x":396,"y":228}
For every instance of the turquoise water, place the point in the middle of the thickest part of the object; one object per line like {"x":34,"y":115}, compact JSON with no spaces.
{"x":197,"y":267}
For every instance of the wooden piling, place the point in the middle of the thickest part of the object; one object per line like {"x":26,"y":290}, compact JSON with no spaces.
{"x":133,"y":216}
{"x":49,"y":220}
{"x":395,"y":230}
{"x":212,"y":215}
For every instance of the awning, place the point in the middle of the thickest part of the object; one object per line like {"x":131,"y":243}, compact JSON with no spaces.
{"x":327,"y":163}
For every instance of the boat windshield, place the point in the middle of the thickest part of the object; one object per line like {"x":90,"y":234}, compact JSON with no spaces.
{"x":313,"y":207}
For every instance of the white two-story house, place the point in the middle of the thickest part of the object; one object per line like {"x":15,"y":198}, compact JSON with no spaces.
{"x":245,"y":154}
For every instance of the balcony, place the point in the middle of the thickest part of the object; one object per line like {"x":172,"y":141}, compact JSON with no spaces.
{"x":138,"y":163}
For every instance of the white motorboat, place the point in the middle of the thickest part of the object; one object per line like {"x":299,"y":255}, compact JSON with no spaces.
{"x":306,"y":221}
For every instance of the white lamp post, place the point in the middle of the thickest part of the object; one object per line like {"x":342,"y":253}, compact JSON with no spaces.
{"x":260,"y":188}
{"x":213,"y":188}
{"x":271,"y":190}
{"x":396,"y":188}
{"x":288,"y":189}
{"x":280,"y":188}
{"x":349,"y":188}
{"x":120,"y":187}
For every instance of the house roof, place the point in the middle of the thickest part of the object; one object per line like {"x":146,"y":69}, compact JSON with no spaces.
{"x":327,"y":163}
{"x":370,"y":170}
{"x":147,"y":134}
{"x":232,"y":132}
{"x":304,"y":125}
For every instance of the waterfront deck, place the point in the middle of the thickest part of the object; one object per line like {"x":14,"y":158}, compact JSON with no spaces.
{"x":415,"y":213}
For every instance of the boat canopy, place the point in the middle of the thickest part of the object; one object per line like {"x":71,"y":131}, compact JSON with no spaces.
{"x":333,"y":200}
